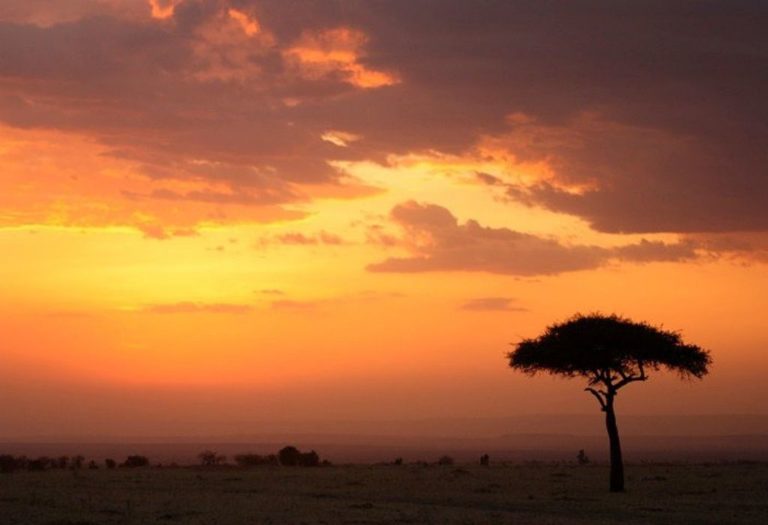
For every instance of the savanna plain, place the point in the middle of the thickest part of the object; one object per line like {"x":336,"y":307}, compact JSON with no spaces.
{"x":523,"y":493}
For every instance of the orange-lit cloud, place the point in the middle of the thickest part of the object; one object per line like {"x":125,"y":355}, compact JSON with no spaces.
{"x":249,"y":24}
{"x":56,"y":179}
{"x":338,"y":51}
{"x":339,"y":138}
{"x":163,"y":9}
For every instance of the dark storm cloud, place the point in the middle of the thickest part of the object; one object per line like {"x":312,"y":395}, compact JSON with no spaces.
{"x":656,"y":107}
{"x":683,"y":82}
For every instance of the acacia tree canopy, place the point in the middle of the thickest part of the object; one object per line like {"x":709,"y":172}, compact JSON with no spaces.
{"x":608,"y":350}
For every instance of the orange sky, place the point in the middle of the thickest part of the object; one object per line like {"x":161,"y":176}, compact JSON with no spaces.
{"x":327,"y":213}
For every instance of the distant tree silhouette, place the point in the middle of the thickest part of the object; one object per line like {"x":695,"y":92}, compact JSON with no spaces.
{"x":110,"y":463}
{"x":8,"y":463}
{"x":209,"y":458}
{"x":289,"y":456}
{"x":485,"y":460}
{"x":445,"y":460}
{"x":610,"y":352}
{"x":77,"y":462}
{"x":62,"y":462}
{"x":582,"y":457}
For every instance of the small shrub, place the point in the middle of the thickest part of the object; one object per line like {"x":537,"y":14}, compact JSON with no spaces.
{"x":582,"y":458}
{"x":38,"y":464}
{"x":445,"y":460}
{"x":485,"y":460}
{"x":398,"y":461}
{"x":248,"y":460}
{"x":135,"y":462}
{"x":209,"y":458}
{"x":110,"y":463}
{"x":309,"y":459}
{"x":255,"y":460}
{"x":77,"y":462}
{"x":7,"y":463}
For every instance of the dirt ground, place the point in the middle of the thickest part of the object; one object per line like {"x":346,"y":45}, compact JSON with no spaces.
{"x":520,"y":494}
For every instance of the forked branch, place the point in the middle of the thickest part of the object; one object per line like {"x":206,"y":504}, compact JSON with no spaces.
{"x":599,"y":395}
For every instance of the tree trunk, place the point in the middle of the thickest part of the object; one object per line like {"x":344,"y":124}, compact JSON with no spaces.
{"x":617,"y":463}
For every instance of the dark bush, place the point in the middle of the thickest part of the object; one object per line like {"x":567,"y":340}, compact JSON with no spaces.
{"x":62,"y":462}
{"x":92,"y":465}
{"x":309,"y":459}
{"x":398,"y":461}
{"x":135,"y":461}
{"x":485,"y":460}
{"x":8,"y":463}
{"x":445,"y":460}
{"x":77,"y":462}
{"x":22,"y":462}
{"x":289,"y":456}
{"x":209,"y":458}
{"x":38,"y":464}
{"x":255,"y":460}
{"x":110,"y":463}
{"x":582,"y":458}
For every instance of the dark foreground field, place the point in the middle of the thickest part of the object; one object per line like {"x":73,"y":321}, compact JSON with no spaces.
{"x":521,"y":494}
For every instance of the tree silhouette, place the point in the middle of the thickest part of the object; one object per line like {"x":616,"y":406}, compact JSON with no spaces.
{"x":209,"y":458}
{"x":610,"y":352}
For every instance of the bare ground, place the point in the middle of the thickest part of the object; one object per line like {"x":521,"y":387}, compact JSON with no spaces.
{"x":520,"y":494}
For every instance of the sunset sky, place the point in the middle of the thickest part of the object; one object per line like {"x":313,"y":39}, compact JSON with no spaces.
{"x":215,"y":213}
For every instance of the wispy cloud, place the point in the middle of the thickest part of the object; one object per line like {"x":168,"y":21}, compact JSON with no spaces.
{"x":194,"y":308}
{"x":482,"y":304}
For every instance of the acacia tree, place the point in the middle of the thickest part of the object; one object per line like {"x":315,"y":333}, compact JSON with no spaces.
{"x":610,"y":352}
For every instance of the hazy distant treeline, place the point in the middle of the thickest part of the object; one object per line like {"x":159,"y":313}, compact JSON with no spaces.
{"x":288,"y":456}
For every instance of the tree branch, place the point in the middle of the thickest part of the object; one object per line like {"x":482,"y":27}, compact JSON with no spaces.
{"x":642,"y":370}
{"x":629,"y":379}
{"x":598,"y":395}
